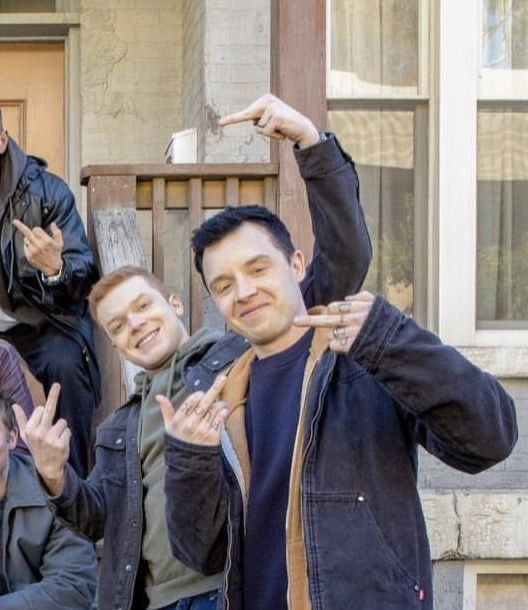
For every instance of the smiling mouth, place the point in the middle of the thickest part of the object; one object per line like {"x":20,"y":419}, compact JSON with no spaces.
{"x":147,"y":338}
{"x":248,"y":313}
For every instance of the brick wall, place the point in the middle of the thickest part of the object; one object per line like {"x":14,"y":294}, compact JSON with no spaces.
{"x":510,"y":474}
{"x":131,"y":79}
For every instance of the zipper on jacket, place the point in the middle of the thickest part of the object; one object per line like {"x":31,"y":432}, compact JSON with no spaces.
{"x":315,"y":418}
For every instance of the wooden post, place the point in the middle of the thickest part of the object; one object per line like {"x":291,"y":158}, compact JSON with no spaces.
{"x":298,"y":76}
{"x":114,"y":236}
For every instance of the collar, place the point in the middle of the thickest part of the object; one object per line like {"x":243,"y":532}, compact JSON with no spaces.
{"x":23,"y":488}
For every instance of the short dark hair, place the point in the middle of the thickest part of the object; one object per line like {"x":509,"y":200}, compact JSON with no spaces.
{"x":6,"y":411}
{"x":231,"y":218}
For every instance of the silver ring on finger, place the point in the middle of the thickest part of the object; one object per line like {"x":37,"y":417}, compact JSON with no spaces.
{"x":344,"y":341}
{"x":336,"y":333}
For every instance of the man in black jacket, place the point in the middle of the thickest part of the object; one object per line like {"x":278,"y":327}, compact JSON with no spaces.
{"x":311,"y":503}
{"x":47,"y":269}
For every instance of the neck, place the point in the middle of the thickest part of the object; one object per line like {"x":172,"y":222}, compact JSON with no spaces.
{"x":281,"y":344}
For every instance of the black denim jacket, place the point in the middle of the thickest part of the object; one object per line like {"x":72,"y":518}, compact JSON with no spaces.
{"x":363,"y":528}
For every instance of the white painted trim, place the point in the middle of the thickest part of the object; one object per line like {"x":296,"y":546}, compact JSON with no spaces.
{"x":473,"y":568}
{"x":457,"y":168}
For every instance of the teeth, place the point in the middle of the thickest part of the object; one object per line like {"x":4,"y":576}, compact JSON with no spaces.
{"x":147,"y":338}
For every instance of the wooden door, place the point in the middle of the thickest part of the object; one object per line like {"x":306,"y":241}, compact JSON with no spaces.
{"x":32,"y":98}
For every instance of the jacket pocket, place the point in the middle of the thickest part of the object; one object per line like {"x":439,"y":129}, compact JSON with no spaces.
{"x":110,"y":449}
{"x":351,"y":565}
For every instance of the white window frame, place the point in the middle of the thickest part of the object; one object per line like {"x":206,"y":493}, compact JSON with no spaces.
{"x":458,"y":29}
{"x":472,"y":569}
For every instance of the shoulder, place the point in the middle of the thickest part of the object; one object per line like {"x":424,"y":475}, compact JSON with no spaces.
{"x":119,"y":418}
{"x":42,"y":182}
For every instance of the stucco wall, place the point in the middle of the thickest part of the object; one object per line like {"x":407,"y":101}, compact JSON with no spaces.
{"x":131,"y":79}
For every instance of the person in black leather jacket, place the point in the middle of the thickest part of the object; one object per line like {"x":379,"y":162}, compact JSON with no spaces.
{"x":47,"y":269}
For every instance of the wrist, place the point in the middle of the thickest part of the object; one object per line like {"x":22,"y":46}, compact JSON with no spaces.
{"x":53,"y":482}
{"x":53,"y":276}
{"x":310,"y":137}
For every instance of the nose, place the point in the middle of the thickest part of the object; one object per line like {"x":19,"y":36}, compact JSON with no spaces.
{"x":244,"y":288}
{"x":135,"y":321}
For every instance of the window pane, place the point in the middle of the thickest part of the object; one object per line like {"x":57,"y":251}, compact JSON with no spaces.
{"x":381,"y":143}
{"x":504,"y":63}
{"x":374,"y":49}
{"x":502,"y":199}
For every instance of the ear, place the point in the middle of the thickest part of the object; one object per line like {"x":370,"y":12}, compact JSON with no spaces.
{"x":12,"y":437}
{"x":176,"y":304}
{"x":4,"y":138}
{"x":298,"y":265}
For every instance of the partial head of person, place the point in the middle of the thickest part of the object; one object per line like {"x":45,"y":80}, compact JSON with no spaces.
{"x":8,"y":433}
{"x":252,"y":270}
{"x":140,"y":315}
{"x":4,"y":137}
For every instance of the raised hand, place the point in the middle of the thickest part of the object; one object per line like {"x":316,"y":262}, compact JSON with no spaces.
{"x":200,"y":418}
{"x":345,"y":318}
{"x":274,"y":118}
{"x":43,"y":251}
{"x":48,"y":442}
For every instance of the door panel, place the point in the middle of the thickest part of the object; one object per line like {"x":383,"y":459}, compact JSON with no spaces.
{"x":32,"y":98}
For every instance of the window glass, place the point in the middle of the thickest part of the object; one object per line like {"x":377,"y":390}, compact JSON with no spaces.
{"x":502,"y":200}
{"x":381,"y":143}
{"x":504,"y":49}
{"x":374,"y":48}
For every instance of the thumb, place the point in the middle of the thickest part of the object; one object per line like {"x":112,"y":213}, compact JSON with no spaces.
{"x":21,"y":420}
{"x":56,"y":233}
{"x":167,"y":410}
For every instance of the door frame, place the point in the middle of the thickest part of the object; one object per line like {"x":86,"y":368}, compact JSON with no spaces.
{"x":54,"y":27}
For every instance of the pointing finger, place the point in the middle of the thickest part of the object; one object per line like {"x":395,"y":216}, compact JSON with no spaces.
{"x":318,"y":321}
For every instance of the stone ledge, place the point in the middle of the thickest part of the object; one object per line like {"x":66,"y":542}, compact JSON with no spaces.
{"x":503,"y":362}
{"x":471,"y":525}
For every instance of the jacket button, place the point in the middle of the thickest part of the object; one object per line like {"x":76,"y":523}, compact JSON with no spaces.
{"x":416,"y":587}
{"x":128,"y":567}
{"x":361,"y":498}
{"x":119,"y":441}
{"x":215,"y":362}
{"x":196,"y":383}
